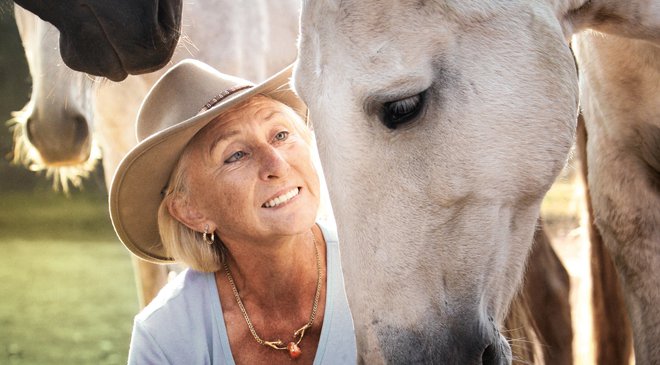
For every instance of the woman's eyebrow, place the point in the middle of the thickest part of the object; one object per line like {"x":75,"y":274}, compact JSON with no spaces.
{"x":233,"y":132}
{"x":271,"y":115}
{"x":221,"y":137}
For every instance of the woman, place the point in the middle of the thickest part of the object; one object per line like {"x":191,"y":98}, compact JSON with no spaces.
{"x":228,"y":188}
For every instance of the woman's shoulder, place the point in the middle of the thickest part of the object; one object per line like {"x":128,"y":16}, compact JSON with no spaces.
{"x":175,"y":327}
{"x":185,"y":292}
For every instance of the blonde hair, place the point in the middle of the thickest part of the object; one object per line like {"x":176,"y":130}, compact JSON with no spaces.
{"x":186,"y":245}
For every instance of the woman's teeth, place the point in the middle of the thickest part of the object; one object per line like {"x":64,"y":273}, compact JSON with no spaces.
{"x":282,"y":198}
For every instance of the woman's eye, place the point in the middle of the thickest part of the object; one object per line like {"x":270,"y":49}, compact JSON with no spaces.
{"x":235,"y":156}
{"x":398,"y":112}
{"x":281,"y":136}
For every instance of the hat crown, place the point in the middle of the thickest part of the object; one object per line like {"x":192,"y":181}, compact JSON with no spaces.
{"x":180,"y":94}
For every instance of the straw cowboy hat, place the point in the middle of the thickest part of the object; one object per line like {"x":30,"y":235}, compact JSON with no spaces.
{"x":182,"y":102}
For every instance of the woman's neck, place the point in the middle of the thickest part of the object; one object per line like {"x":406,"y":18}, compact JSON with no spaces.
{"x":276,"y":273}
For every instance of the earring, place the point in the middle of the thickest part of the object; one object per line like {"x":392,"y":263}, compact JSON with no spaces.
{"x":205,"y":236}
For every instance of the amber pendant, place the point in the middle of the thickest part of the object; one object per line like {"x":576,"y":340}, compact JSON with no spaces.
{"x":294,"y":350}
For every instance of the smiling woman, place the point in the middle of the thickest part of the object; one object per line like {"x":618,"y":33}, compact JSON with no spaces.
{"x":229,"y":189}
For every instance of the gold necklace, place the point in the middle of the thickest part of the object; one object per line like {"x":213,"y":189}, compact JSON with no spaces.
{"x":292,"y":347}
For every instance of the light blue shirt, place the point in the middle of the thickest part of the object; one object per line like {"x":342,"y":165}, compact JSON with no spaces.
{"x":184,"y":325}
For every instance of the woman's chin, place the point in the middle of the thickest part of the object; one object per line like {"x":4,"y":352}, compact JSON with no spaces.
{"x":290,"y":223}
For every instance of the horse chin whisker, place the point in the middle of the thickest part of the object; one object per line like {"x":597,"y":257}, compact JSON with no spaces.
{"x":66,"y":176}
{"x":525,"y":350}
{"x":63,"y":177}
{"x":519,"y":361}
{"x":23,"y":152}
{"x":514,"y":341}
{"x":512,"y":330}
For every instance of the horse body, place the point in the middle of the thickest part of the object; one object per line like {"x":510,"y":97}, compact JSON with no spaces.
{"x":250,"y":39}
{"x":439,"y":142}
{"x":620,"y":80}
{"x":113,"y":38}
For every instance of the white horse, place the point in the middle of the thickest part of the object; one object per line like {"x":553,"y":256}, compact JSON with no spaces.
{"x":251,"y":39}
{"x":442,"y":124}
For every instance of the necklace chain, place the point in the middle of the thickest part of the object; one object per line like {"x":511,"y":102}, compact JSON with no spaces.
{"x":278,"y":344}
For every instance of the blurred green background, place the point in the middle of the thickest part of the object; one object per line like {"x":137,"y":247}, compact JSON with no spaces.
{"x":67,"y":294}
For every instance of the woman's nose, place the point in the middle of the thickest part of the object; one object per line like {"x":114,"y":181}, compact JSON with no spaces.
{"x":274,"y":164}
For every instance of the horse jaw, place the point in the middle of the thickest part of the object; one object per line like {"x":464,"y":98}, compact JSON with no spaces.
{"x":439,"y":214}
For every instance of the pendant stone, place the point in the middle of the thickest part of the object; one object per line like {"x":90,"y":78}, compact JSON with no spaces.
{"x":294,"y":350}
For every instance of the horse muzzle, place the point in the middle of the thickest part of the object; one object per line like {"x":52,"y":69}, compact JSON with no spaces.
{"x":60,"y":144}
{"x":465,"y":344}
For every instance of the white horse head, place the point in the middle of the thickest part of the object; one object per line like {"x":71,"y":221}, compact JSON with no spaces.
{"x":441,"y":125}
{"x":53,"y":132}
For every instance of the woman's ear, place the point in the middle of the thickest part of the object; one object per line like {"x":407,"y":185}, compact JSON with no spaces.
{"x":187,"y":213}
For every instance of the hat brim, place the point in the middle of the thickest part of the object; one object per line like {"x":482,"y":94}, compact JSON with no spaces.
{"x":136,"y":189}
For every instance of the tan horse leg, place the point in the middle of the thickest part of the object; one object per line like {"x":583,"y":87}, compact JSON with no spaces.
{"x":612,"y":331}
{"x":541,"y":311}
{"x":149,"y":279}
{"x":117,"y":105}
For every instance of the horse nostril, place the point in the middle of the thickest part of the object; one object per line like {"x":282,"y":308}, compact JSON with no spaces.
{"x":490,"y":356}
{"x":28,"y":129}
{"x":82,"y":130}
{"x":82,"y":137}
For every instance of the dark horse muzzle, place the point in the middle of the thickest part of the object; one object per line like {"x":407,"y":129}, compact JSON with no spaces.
{"x":113,"y":38}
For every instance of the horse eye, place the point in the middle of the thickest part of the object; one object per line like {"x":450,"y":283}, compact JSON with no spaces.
{"x":398,"y":112}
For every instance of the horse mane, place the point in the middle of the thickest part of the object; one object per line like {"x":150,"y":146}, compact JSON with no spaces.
{"x":24,"y":153}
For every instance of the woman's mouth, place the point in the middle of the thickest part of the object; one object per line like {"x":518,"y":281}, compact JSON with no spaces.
{"x":279,"y":200}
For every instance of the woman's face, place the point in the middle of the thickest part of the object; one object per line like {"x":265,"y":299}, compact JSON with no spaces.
{"x":250,"y":174}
